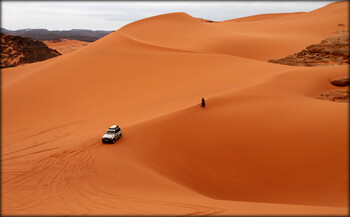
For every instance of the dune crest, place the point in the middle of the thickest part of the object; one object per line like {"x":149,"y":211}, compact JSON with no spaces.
{"x":270,"y":38}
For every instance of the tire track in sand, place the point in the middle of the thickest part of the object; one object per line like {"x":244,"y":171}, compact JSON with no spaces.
{"x":50,"y":178}
{"x":56,"y":178}
{"x":193,"y":209}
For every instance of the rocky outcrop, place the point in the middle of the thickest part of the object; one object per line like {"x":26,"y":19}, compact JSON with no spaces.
{"x":334,"y":50}
{"x":337,"y":95}
{"x":16,"y":50}
{"x":341,"y":82}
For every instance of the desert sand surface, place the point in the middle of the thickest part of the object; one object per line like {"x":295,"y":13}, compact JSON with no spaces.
{"x":65,"y":45}
{"x":263,"y":145}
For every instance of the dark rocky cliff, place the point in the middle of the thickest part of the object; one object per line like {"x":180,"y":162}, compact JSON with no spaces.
{"x":334,"y":50}
{"x":16,"y":50}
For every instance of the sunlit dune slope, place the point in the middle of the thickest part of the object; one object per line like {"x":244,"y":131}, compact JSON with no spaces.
{"x":117,"y":75}
{"x":65,"y":45}
{"x":107,"y":67}
{"x":260,"y":40}
{"x":263,"y":145}
{"x":264,"y":17}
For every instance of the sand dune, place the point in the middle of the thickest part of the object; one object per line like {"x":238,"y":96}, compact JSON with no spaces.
{"x":261,"y":40}
{"x":263,"y":145}
{"x":224,"y":145}
{"x":265,"y":16}
{"x":65,"y":45}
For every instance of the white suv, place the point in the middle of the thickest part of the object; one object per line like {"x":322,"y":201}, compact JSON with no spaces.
{"x":113,"y":133}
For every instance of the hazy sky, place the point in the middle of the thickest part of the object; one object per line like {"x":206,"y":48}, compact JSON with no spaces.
{"x":111,"y":15}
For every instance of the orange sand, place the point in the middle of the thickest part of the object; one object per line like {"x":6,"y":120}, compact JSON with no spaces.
{"x":264,"y":144}
{"x":65,"y":45}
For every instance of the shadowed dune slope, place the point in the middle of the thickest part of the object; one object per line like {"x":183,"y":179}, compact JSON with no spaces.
{"x":269,"y":142}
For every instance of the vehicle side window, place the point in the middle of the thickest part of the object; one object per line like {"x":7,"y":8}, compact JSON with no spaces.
{"x":117,"y":130}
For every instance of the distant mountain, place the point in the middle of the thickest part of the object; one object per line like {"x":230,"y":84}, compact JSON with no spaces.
{"x":44,"y":34}
{"x":16,"y":50}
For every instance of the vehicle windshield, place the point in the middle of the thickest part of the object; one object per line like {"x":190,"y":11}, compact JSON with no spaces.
{"x":110,"y":132}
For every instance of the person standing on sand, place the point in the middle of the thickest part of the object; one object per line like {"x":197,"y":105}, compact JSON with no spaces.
{"x":203,"y":103}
